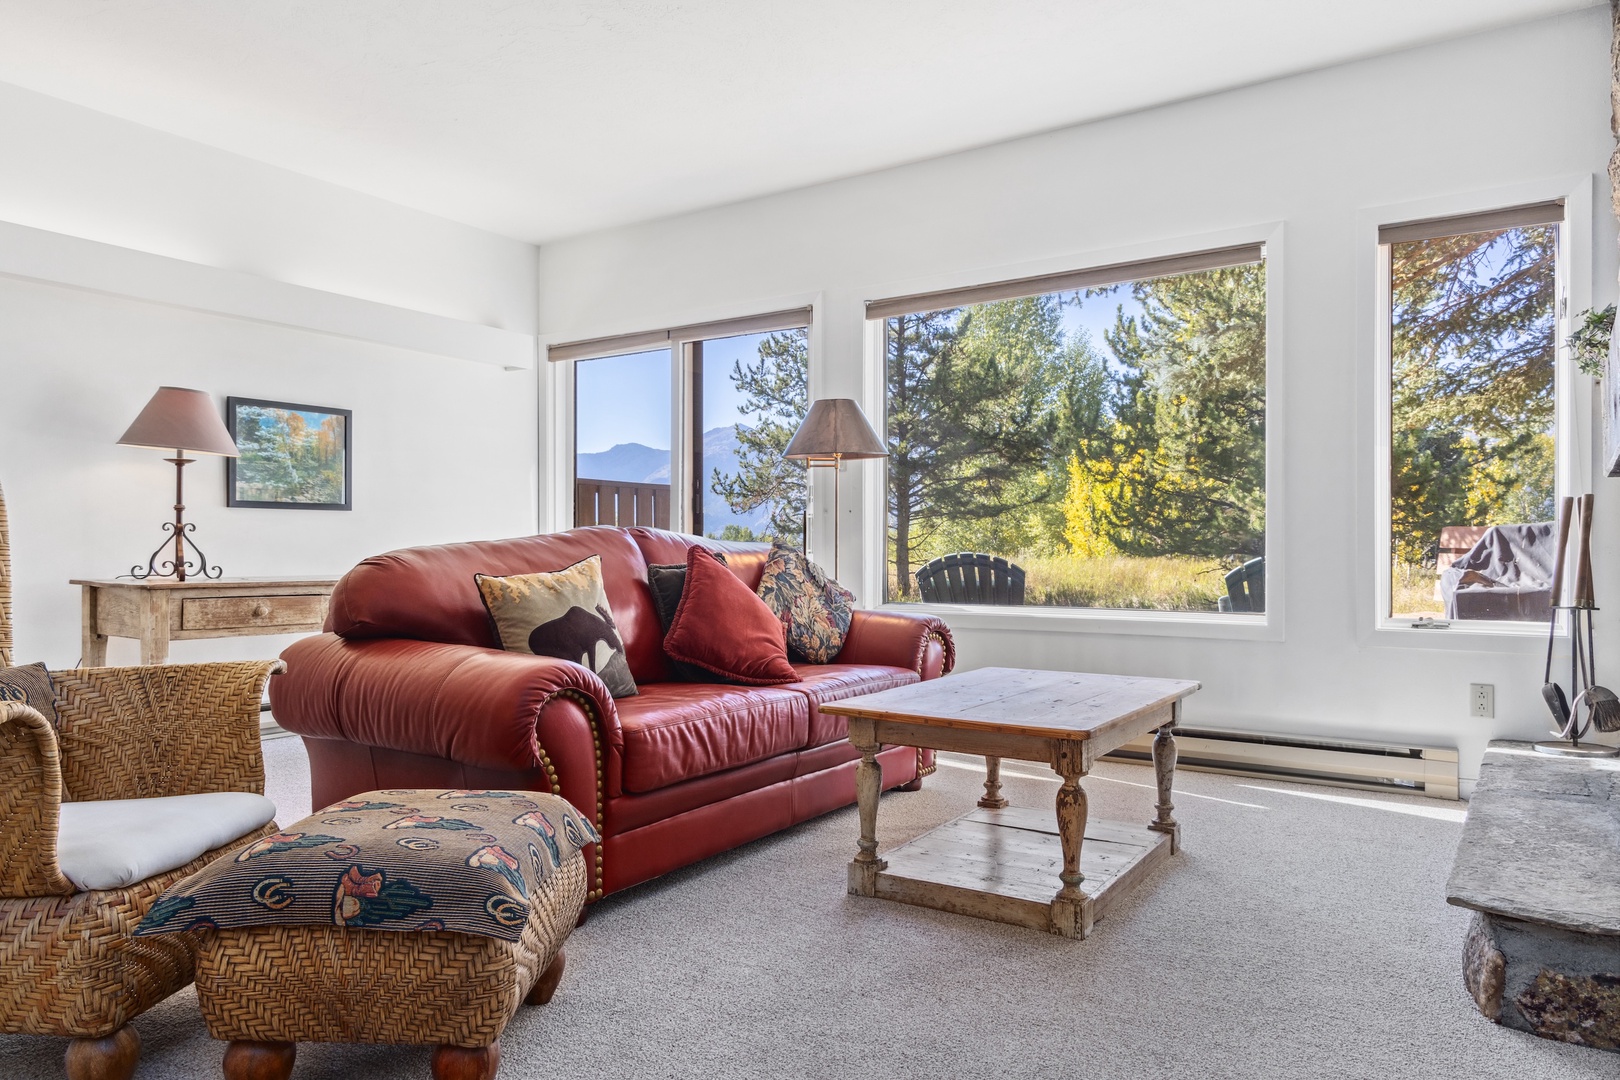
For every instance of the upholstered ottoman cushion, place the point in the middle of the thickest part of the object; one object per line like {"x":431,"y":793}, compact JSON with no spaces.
{"x":401,"y":916}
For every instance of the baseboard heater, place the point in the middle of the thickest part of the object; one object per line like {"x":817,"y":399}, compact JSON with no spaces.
{"x":1415,"y":770}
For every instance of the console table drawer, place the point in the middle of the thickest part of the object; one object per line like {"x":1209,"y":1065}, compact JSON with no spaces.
{"x":235,"y":612}
{"x":157,"y":611}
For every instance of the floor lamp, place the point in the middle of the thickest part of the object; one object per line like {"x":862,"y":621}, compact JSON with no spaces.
{"x":834,"y":431}
{"x":186,"y":420}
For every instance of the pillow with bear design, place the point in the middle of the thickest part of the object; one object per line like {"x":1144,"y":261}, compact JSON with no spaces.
{"x":562,"y":613}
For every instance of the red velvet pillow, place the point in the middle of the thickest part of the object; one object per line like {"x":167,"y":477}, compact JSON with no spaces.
{"x":723,"y":627}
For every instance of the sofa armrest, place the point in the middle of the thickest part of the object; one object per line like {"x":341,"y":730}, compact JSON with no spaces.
{"x":30,"y":804}
{"x":900,"y":639}
{"x":463,"y":703}
{"x":162,"y":729}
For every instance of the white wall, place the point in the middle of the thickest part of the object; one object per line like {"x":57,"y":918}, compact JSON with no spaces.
{"x":444,"y":448}
{"x":1519,"y":110}
{"x":76,"y":171}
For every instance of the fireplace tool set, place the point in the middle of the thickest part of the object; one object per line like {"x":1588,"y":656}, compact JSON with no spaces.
{"x":1588,"y":705}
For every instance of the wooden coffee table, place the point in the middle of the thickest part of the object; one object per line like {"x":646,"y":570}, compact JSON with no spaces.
{"x":1002,"y":862}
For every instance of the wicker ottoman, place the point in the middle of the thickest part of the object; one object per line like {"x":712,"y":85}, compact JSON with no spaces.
{"x":267,"y":987}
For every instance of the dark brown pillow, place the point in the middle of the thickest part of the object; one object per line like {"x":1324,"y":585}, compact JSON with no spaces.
{"x":564,"y":614}
{"x":30,"y":684}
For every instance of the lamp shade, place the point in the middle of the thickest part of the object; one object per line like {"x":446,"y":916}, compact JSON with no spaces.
{"x":180,"y":419}
{"x":835,"y":427}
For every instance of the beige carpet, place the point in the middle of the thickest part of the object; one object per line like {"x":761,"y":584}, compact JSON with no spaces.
{"x":1301,"y":933}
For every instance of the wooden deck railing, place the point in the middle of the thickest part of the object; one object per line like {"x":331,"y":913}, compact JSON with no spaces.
{"x":619,"y":502}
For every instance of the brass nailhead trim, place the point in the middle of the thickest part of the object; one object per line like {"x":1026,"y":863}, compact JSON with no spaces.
{"x":595,"y":721}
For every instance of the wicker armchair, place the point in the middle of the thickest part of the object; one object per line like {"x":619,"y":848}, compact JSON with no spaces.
{"x":68,"y":965}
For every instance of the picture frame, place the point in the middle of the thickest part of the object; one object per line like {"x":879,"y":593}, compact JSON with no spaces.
{"x":293,"y":457}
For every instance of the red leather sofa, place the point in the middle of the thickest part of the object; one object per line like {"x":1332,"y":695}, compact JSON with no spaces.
{"x":408,"y":689}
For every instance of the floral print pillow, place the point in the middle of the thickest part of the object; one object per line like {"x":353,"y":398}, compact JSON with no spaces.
{"x":814,"y":608}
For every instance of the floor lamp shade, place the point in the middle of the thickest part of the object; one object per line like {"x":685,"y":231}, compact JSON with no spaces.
{"x":835,"y":428}
{"x":834,"y":431}
{"x":181,"y":419}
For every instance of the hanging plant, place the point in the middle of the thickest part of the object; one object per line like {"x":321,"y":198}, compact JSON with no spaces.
{"x":1590,"y":341}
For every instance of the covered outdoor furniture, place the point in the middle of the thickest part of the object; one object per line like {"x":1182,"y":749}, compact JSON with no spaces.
{"x":409,"y":688}
{"x":69,"y":965}
{"x":1506,"y":575}
{"x":1245,"y":587}
{"x":969,"y":577}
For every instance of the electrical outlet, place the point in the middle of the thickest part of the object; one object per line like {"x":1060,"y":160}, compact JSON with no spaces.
{"x":1482,"y":699}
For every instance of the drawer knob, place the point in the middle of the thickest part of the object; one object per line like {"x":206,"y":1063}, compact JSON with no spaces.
{"x":260,"y":610}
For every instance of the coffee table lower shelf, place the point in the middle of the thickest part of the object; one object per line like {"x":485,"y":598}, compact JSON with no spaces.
{"x":1003,"y":865}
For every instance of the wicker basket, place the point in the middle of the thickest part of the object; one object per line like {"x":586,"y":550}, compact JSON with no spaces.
{"x":278,"y":985}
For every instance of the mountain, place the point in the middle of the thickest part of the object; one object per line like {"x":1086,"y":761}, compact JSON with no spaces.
{"x":629,"y":462}
{"x":637,"y":464}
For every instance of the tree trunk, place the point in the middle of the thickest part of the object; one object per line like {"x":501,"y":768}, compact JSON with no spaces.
{"x":902,"y":533}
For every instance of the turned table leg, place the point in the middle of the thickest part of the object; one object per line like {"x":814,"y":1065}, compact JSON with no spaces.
{"x":1164,"y":771}
{"x":863,"y":871}
{"x":1071,"y":908}
{"x":992,"y":799}
{"x":466,"y":1062}
{"x":247,"y":1060}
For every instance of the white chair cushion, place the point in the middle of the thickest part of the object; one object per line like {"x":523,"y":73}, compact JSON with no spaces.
{"x":117,"y":842}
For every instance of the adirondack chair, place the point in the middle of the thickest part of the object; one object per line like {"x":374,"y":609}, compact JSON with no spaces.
{"x":1246,"y":587}
{"x":971,"y":578}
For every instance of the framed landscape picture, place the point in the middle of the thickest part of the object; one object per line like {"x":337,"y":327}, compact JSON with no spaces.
{"x":293,"y":457}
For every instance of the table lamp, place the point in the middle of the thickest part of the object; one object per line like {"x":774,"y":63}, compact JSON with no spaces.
{"x":835,"y":430}
{"x":187,"y":421}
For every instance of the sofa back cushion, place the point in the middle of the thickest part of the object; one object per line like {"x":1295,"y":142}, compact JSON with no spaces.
{"x":746,"y":560}
{"x":429,"y":593}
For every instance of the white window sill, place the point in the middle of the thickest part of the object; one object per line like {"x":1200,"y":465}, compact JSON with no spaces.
{"x":1468,"y":635}
{"x":1064,"y":620}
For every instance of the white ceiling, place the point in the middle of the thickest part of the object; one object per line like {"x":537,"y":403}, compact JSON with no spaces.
{"x":544,"y":118}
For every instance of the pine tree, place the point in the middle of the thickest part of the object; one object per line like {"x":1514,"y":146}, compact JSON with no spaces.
{"x":1473,"y":349}
{"x":777,"y":385}
{"x":975,"y":396}
{"x":1181,"y":469}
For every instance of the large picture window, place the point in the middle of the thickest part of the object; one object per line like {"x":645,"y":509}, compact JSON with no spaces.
{"x":689,"y":435}
{"x":1471,"y":346}
{"x":1087,"y":440}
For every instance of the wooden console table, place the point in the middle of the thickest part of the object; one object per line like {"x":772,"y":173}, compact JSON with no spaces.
{"x":158,"y":611}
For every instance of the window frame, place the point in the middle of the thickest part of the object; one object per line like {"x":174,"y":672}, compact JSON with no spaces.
{"x":685,"y":392}
{"x":1572,"y":395}
{"x":1267,"y":626}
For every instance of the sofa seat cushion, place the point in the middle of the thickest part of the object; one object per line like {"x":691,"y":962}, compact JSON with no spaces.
{"x":113,"y":844}
{"x":835,"y":682}
{"x":679,"y":731}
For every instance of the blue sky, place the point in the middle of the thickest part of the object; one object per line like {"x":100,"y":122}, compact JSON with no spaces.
{"x":624,"y":399}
